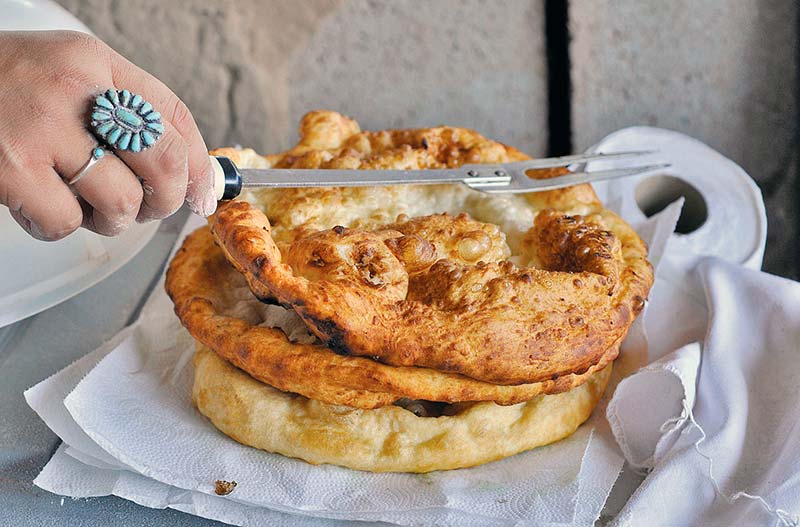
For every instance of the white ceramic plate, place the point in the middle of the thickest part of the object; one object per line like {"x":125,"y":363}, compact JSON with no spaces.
{"x":36,"y":275}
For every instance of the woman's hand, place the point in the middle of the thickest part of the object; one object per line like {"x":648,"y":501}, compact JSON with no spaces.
{"x":49,"y":81}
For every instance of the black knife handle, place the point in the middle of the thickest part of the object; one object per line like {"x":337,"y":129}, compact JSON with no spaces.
{"x":227,"y":179}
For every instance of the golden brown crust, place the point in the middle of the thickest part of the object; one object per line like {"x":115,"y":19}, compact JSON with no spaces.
{"x":492,"y":322}
{"x":206,"y":290}
{"x":385,"y":439}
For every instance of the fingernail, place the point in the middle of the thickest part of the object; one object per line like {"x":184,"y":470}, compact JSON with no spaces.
{"x":195,"y":206}
{"x":39,"y":234}
{"x":210,"y":203}
{"x":146,"y":214}
{"x":145,"y":219}
{"x":36,"y":232}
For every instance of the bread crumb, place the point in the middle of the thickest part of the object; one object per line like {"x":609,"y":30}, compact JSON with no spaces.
{"x":223,"y":488}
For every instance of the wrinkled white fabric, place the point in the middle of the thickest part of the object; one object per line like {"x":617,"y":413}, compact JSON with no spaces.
{"x":727,"y":449}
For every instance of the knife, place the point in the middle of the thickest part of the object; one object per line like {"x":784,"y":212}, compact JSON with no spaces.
{"x":229,"y":180}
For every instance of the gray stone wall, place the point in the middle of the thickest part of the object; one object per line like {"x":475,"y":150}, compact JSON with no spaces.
{"x":249,"y":69}
{"x":723,"y":71}
{"x":720,"y":70}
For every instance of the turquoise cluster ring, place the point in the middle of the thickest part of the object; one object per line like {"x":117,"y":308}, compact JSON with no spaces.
{"x":125,"y":121}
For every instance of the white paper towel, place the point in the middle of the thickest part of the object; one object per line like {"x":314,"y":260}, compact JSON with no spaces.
{"x":134,"y":407}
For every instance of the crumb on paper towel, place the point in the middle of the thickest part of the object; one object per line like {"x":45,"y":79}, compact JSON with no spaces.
{"x":223,"y":488}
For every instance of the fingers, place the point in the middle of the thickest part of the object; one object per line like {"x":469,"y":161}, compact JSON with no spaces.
{"x":164,"y":171}
{"x":161,"y":166}
{"x":41,"y":203}
{"x":200,"y":196}
{"x":114,"y":194}
{"x":111,"y":192}
{"x":199,"y":190}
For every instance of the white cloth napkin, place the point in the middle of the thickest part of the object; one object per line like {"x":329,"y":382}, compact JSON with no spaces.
{"x":718,"y":428}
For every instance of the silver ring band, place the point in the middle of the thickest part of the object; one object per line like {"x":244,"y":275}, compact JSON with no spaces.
{"x":97,"y":154}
